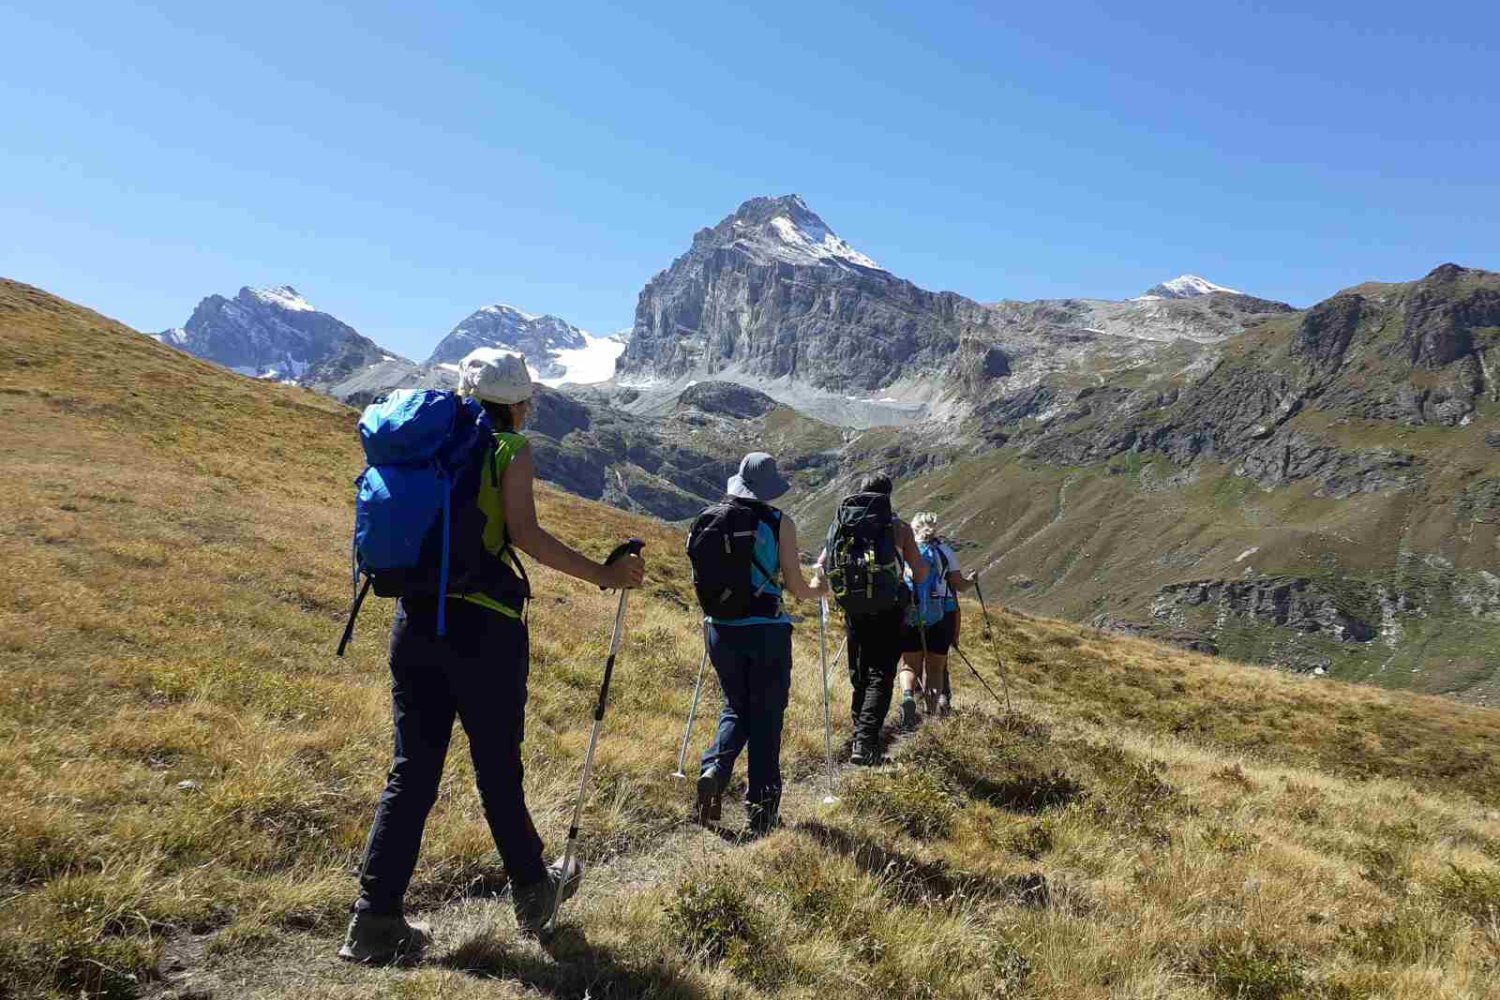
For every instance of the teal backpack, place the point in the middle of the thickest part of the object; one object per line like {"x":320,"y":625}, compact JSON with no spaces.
{"x":930,"y":607}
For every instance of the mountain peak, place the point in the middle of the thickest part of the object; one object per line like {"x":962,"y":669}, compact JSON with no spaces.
{"x":280,"y":296}
{"x":1186,"y":286}
{"x":501,"y":309}
{"x":540,"y":338}
{"x":786,"y":229}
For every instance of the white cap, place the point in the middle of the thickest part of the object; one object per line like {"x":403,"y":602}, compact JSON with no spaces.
{"x":495,"y":375}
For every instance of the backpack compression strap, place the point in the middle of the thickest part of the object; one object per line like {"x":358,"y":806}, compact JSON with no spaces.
{"x":359,"y":599}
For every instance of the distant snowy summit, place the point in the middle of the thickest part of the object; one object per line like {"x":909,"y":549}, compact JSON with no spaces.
{"x":786,"y":229}
{"x":1186,"y":286}
{"x":555,"y":350}
{"x":273,"y":333}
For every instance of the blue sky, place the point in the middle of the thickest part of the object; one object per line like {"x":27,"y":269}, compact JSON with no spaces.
{"x":404,"y":164}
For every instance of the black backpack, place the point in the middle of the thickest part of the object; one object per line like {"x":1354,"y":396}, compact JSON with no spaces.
{"x":721,"y":547}
{"x":863,"y":566}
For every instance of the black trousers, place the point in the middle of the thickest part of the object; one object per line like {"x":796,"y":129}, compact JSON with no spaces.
{"x":477,"y":673}
{"x":754,"y":664}
{"x":874,"y":654}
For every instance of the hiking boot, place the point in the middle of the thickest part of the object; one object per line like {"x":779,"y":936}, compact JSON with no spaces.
{"x":533,"y":903}
{"x":710,"y":798}
{"x":383,"y":939}
{"x":909,"y":718}
{"x":861,"y":757}
{"x":944,"y":706}
{"x":763,"y":820}
{"x":930,"y":704}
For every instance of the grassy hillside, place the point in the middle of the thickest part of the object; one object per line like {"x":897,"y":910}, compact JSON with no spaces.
{"x":1077,"y":541}
{"x":1320,"y":493}
{"x":187,"y":773}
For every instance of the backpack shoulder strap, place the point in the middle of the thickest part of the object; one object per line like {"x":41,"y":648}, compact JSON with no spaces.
{"x":508,"y":445}
{"x":771,"y":518}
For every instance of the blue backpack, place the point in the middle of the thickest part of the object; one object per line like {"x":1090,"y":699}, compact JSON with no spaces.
{"x":932,"y":608}
{"x":425,"y":450}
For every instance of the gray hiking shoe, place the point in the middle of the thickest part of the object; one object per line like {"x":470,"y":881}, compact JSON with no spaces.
{"x":381,"y":939}
{"x":534,"y":902}
{"x":909,"y":718}
{"x":710,"y":807}
{"x":944,"y":706}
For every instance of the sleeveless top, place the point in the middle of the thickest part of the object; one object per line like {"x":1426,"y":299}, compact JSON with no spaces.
{"x":491,"y":502}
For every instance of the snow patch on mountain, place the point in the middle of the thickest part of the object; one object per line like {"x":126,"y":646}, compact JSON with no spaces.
{"x":283,"y":297}
{"x":501,"y":309}
{"x":540,"y":338}
{"x":1185,"y":286}
{"x":593,"y":362}
{"x":785,"y":229}
{"x":812,"y":241}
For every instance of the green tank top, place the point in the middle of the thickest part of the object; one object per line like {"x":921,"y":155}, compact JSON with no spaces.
{"x":508,"y":445}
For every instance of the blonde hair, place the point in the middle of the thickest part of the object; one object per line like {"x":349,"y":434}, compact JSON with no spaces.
{"x":924,"y":525}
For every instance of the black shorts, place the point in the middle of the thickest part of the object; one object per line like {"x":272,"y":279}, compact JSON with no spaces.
{"x":939,"y":637}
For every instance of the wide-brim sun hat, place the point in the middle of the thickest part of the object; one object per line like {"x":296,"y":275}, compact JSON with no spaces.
{"x":494,"y":375}
{"x":757,"y":479}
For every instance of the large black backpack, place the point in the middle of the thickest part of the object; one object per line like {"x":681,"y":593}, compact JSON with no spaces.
{"x":863,"y":566}
{"x":721,"y":547}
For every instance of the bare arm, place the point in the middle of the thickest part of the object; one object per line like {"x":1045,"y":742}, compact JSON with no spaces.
{"x":791,"y":565}
{"x":537,"y":542}
{"x":958,"y":582}
{"x":910,"y":553}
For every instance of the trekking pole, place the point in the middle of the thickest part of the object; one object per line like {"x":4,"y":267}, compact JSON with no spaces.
{"x":631,"y":547}
{"x":989,"y":634}
{"x":687,"y":734}
{"x":827,"y":716}
{"x":983,"y":683}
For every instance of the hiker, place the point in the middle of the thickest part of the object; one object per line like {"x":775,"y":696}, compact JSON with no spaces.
{"x":744,"y":555}
{"x":863,"y":556}
{"x":927,"y":639}
{"x":473,"y":665}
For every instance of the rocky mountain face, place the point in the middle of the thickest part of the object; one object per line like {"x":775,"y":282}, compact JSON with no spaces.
{"x":674,"y":464}
{"x":275,"y":333}
{"x":772,"y":292}
{"x":773,"y":298}
{"x":1398,"y":355}
{"x":540,"y":338}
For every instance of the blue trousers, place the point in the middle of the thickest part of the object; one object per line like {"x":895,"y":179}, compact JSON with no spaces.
{"x":477,"y":673}
{"x":754,"y":664}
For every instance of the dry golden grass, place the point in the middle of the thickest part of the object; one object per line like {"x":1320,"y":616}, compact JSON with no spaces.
{"x":187,"y":773}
